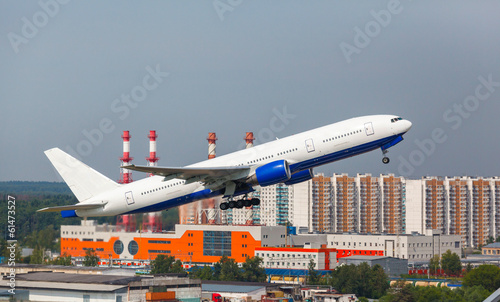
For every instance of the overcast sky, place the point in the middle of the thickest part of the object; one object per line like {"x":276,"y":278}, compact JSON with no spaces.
{"x":75,"y":75}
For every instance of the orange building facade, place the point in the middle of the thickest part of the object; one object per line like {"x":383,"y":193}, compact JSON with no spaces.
{"x":192,"y":244}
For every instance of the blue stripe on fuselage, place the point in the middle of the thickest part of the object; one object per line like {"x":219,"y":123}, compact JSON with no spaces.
{"x":328,"y":158}
{"x":307,"y":164}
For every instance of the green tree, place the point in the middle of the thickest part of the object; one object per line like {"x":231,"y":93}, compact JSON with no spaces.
{"x":379,"y":282}
{"x":490,"y":240}
{"x":361,"y":280}
{"x":177,"y":268}
{"x":475,"y":294}
{"x":164,"y":264}
{"x":468,"y":267}
{"x":38,"y":256}
{"x":217,"y":270}
{"x":253,"y":270}
{"x":313,"y":276}
{"x":400,"y":292}
{"x":434,"y":264}
{"x":451,"y":264}
{"x":229,"y":270}
{"x":203,"y":273}
{"x":91,"y":258}
{"x":486,"y":275}
{"x":6,"y":252}
{"x":63,"y":260}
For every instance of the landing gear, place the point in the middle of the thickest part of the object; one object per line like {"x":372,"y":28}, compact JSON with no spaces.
{"x":386,"y":159}
{"x":239,"y":204}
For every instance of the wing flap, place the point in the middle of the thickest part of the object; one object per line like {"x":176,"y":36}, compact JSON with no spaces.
{"x":84,"y":206}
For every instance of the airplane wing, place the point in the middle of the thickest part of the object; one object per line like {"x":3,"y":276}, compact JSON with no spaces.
{"x":191,"y":172}
{"x":80,"y":206}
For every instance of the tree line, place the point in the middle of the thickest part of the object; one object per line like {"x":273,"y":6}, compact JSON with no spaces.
{"x":226,"y":269}
{"x":41,"y":231}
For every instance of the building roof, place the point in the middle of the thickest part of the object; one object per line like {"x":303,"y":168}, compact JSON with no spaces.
{"x":228,"y":288}
{"x":292,"y":272}
{"x":68,"y":286}
{"x":492,"y":245}
{"x":76,"y":278}
{"x":366,"y":258}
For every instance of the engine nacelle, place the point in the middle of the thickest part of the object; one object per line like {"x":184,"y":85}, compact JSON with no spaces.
{"x":300,"y":177}
{"x":272,"y":173}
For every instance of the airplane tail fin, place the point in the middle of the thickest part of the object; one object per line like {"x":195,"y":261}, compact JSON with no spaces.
{"x":83,"y":181}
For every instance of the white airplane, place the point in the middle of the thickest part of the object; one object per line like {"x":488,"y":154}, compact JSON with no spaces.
{"x":288,"y":160}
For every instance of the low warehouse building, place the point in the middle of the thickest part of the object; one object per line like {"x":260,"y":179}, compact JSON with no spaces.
{"x":48,"y":286}
{"x":392,"y":266}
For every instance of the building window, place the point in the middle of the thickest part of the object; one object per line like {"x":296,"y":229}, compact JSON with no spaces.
{"x":158,"y":252}
{"x":159,"y":241}
{"x":118,"y":247}
{"x":216,"y":243}
{"x":133,"y":247}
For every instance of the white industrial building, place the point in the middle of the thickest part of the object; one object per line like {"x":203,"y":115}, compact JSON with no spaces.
{"x":414,"y":247}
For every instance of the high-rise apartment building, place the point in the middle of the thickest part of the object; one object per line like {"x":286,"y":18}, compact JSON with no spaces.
{"x":345,"y":203}
{"x":370,"y":215}
{"x":435,"y":204}
{"x":322,"y":195}
{"x":393,"y":203}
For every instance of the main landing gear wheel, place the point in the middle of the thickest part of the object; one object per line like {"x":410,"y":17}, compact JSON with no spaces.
{"x":239,"y":204}
{"x":255,"y":201}
{"x":231,"y":204}
{"x":247,"y":202}
{"x":224,"y":206}
{"x":385,"y":160}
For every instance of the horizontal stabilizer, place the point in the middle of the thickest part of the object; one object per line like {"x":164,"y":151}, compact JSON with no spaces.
{"x":80,"y":206}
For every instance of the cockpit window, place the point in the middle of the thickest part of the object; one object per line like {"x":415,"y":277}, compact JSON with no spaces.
{"x":393,"y":120}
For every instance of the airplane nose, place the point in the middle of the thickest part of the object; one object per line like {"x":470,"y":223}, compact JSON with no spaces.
{"x":407,"y":125}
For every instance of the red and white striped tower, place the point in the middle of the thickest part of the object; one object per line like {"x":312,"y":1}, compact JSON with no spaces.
{"x":249,"y":140}
{"x":126,"y":175}
{"x":211,"y":144}
{"x":249,"y":210}
{"x":151,"y":222}
{"x":210,"y":203}
{"x":126,"y":223}
{"x":152,"y":159}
